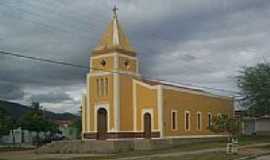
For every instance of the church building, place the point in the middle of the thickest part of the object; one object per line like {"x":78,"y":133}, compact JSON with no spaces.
{"x":119,"y":103}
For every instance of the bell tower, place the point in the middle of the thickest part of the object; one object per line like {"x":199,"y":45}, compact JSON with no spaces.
{"x":113,"y":65}
{"x":115,"y":44}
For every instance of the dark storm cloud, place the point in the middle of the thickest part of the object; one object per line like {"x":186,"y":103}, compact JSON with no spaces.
{"x":197,"y":41}
{"x":51,"y":97}
{"x":10,"y":91}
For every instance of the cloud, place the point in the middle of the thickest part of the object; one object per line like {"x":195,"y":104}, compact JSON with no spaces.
{"x":10,"y":91}
{"x":202,"y":42}
{"x":51,"y":97}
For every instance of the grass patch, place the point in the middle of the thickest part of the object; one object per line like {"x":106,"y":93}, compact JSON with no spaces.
{"x":245,"y":140}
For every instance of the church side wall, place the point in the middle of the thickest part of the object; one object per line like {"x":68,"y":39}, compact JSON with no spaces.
{"x":146,"y":101}
{"x":183,"y":102}
{"x":126,"y":112}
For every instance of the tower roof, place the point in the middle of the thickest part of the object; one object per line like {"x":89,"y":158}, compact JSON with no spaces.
{"x":114,"y":39}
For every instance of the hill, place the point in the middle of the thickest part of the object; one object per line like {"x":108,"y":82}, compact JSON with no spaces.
{"x":17,"y":111}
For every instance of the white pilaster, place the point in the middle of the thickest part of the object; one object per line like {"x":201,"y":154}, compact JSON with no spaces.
{"x":160,"y":110}
{"x":87,"y":104}
{"x":116,"y":95}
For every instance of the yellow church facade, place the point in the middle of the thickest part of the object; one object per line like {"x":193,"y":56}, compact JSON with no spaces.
{"x":119,"y":103}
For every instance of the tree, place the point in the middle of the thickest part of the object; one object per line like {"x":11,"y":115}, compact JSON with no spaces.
{"x":254,"y":83}
{"x":36,"y":121}
{"x":230,"y":126}
{"x":77,"y":124}
{"x":5,"y":122}
{"x":227,"y":125}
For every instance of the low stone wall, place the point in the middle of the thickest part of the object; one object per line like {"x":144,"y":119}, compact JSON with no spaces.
{"x":116,"y":146}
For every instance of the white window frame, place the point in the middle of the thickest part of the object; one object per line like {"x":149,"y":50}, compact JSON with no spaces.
{"x":199,"y":128}
{"x":189,"y":121}
{"x":211,"y":123}
{"x":151,"y":112}
{"x":176,"y":120}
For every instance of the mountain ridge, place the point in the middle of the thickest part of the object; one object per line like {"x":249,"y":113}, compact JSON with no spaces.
{"x":16,"y":111}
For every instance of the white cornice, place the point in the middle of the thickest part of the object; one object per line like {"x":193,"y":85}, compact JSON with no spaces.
{"x":114,"y":54}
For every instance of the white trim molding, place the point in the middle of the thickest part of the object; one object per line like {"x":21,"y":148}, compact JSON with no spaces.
{"x":116,"y":101}
{"x":196,"y":136}
{"x":134,"y":99}
{"x":116,"y":95}
{"x":160,"y":110}
{"x":107,"y":108}
{"x":129,"y":73}
{"x":145,"y":84}
{"x":114,"y":54}
{"x":88,"y":104}
{"x":150,"y":111}
{"x":100,"y":73}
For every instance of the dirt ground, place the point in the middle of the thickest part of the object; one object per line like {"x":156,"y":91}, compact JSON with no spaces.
{"x":206,"y":154}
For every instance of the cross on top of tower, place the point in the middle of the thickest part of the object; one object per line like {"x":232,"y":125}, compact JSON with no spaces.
{"x":115,"y":8}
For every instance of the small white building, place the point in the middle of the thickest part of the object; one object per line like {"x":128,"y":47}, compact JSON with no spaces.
{"x":256,"y":126}
{"x":20,"y":136}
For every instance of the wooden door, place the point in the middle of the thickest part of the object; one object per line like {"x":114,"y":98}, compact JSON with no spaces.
{"x":147,"y":125}
{"x":102,"y":124}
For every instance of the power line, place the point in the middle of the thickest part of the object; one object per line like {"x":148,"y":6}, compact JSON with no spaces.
{"x":99,"y":69}
{"x":36,"y":18}
{"x":43,"y":60}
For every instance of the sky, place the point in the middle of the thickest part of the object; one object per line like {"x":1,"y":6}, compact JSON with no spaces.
{"x":200,"y":42}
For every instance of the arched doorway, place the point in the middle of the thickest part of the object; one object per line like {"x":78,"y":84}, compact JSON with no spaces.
{"x":101,"y":124}
{"x":147,"y":125}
